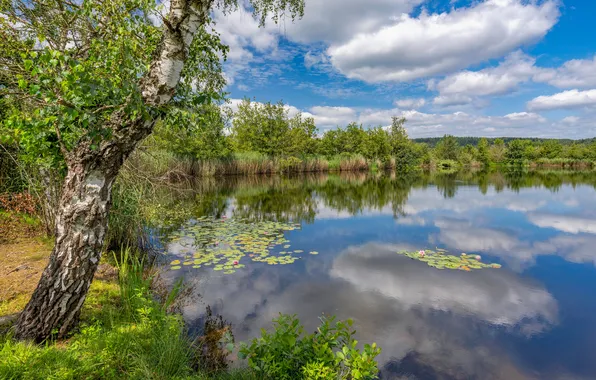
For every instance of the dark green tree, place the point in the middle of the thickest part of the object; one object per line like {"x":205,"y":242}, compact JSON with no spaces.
{"x":447,"y":148}
{"x":551,"y":149}
{"x":483,"y":153}
{"x":302,"y":136}
{"x":261,"y":127}
{"x":516,"y":152}
{"x":377,"y":144}
{"x":401,"y":146}
{"x":197,"y":133}
{"x":354,"y":137}
{"x":332,"y":143}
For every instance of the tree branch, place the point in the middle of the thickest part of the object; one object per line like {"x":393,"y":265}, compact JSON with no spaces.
{"x":60,"y":141}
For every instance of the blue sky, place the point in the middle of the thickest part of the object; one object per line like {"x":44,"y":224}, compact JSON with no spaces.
{"x":468,"y":68}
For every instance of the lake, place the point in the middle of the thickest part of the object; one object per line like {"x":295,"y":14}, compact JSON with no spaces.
{"x":533,"y":318}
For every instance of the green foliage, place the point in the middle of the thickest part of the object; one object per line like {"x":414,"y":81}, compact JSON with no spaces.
{"x":447,"y":164}
{"x":68,"y":69}
{"x":516,"y":152}
{"x":447,"y":148}
{"x":551,"y":149}
{"x":197,"y":134}
{"x":302,"y":136}
{"x":474,"y":141}
{"x":330,"y":353}
{"x":67,"y":94}
{"x":422,"y":153}
{"x":267,"y":129}
{"x":71,"y":76}
{"x":497,"y":151}
{"x":260,"y":128}
{"x":127,"y":220}
{"x":332,"y":142}
{"x":468,"y":155}
{"x":483,"y":153}
{"x":125,"y":334}
{"x":402,"y":148}
{"x":377,"y":144}
{"x":354,"y":137}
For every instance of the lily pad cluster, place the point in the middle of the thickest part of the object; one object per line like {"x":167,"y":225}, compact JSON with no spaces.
{"x":224,"y":243}
{"x":441,"y":260}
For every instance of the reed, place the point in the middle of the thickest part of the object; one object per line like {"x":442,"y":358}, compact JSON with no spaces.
{"x":562,"y":163}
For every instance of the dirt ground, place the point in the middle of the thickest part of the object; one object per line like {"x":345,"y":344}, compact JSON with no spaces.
{"x":24,"y":253}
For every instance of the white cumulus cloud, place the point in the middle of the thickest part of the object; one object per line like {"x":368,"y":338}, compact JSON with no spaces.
{"x":515,"y":69}
{"x":576,"y":73}
{"x":410,"y":102}
{"x":441,"y":43}
{"x":340,"y":20}
{"x":566,"y":99}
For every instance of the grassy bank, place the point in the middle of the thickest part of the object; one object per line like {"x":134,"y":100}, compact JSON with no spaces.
{"x":124,"y":333}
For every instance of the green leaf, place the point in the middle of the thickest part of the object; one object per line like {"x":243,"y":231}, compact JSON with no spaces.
{"x":28,"y":64}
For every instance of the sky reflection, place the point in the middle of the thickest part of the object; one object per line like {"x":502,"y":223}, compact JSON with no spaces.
{"x":533,"y":319}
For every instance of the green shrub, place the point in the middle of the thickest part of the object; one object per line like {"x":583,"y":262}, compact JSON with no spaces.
{"x":329,"y":353}
{"x":289,"y":164}
{"x":447,"y":164}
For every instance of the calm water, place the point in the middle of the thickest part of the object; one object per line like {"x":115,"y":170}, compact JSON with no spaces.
{"x":535,"y":318}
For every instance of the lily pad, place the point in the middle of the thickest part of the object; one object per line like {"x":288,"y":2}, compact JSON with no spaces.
{"x":224,"y":242}
{"x":440,"y":260}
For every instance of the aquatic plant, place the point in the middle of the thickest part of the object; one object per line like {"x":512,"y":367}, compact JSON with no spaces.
{"x":225,"y":243}
{"x":441,"y":260}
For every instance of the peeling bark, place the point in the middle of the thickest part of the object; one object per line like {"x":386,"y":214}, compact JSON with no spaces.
{"x":82,"y":217}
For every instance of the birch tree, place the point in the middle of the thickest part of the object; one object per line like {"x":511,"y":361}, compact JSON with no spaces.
{"x":88,"y":79}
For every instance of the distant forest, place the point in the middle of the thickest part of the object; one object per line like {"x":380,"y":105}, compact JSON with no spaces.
{"x":463,"y":141}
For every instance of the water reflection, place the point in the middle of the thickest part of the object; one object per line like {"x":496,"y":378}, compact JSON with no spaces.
{"x":534,"y":318}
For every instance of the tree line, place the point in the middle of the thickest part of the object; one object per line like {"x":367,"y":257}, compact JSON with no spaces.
{"x":474,"y":141}
{"x":267,"y":129}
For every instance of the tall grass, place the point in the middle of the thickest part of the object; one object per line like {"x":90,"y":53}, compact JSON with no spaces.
{"x":127,"y":219}
{"x":355,"y":162}
{"x":165,"y":166}
{"x":562,"y":163}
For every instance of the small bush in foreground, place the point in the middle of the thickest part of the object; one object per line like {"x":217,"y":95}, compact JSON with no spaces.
{"x":328,"y":354}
